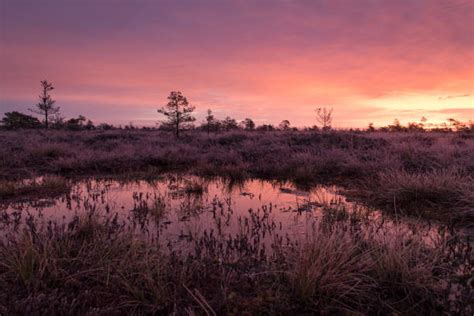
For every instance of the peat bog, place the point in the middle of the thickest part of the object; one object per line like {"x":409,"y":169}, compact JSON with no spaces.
{"x":419,"y":174}
{"x":237,"y":222}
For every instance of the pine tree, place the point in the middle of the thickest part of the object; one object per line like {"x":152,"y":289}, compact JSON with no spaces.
{"x":178,"y":112}
{"x":46,"y":105}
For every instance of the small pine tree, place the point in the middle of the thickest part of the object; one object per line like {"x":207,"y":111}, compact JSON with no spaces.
{"x":46,"y":105}
{"x":177,"y":111}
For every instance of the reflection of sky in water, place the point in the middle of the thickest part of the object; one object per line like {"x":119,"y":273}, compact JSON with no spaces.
{"x":221,"y":208}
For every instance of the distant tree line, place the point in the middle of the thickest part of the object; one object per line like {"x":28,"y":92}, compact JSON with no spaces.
{"x":178,"y":117}
{"x":17,"y":120}
{"x":451,"y":125}
{"x":178,"y":113}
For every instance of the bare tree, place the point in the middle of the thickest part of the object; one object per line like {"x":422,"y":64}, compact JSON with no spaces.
{"x":177,"y":111}
{"x":324,"y":117}
{"x":46,"y":106}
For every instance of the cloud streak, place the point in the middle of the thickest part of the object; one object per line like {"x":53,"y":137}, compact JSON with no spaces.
{"x":454,"y":96}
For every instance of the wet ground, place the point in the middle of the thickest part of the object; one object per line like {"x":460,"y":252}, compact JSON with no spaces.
{"x":175,"y":208}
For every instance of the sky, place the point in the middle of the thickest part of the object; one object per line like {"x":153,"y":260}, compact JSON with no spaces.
{"x":116,"y":61}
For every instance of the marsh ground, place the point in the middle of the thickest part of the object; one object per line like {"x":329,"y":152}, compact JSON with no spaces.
{"x":420,"y":174}
{"x":179,"y":226}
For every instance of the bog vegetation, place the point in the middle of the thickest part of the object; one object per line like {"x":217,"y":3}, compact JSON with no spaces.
{"x":347,"y":263}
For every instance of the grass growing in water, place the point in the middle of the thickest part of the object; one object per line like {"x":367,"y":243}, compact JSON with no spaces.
{"x":346,"y":264}
{"x":44,"y":186}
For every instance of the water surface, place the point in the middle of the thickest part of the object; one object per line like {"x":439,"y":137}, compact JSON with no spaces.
{"x":179,"y":208}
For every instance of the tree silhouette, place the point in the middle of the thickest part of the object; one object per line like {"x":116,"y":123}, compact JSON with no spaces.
{"x":229,"y":124}
{"x":266,"y":127}
{"x":177,"y":111}
{"x":248,"y":124}
{"x":16,"y":120}
{"x":284,"y":125}
{"x":46,"y":106}
{"x":210,"y":121}
{"x":324,"y":117}
{"x":457,"y":125}
{"x":79,"y":123}
{"x":396,"y":126}
{"x":371,"y":127}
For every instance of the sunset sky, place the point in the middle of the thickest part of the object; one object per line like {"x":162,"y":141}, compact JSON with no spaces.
{"x":116,"y":61}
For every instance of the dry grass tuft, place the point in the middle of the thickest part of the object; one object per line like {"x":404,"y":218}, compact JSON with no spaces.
{"x":92,"y":265}
{"x":439,"y":193}
{"x":44,"y":186}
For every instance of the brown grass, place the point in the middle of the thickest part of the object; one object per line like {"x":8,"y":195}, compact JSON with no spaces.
{"x":436,"y":194}
{"x":345,"y":265}
{"x":44,"y":186}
